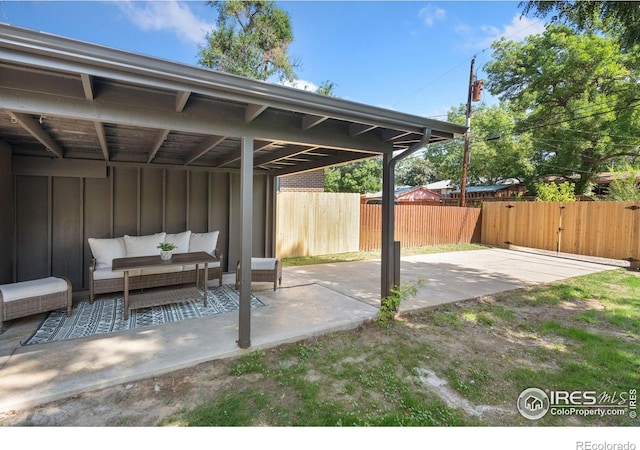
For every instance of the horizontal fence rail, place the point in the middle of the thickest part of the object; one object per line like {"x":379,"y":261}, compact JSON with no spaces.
{"x":601,"y":229}
{"x":421,"y":225}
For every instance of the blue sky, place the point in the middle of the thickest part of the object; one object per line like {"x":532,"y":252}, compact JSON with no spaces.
{"x":410,"y":56}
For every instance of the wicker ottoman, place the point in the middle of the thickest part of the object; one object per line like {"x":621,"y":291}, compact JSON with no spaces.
{"x":263,"y":270}
{"x":25,"y":298}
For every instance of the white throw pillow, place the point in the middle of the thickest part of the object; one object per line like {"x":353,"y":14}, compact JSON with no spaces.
{"x":105,"y":250}
{"x":143,"y":245}
{"x":180,"y":240}
{"x":204,"y":242}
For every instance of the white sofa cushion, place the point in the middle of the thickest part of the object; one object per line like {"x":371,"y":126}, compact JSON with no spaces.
{"x":32,"y":288}
{"x":263,"y":263}
{"x":180,"y":240}
{"x":143,"y":245}
{"x":105,"y":250}
{"x":204,"y":242}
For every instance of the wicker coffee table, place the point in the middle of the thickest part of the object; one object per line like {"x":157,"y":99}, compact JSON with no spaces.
{"x":165,"y":296}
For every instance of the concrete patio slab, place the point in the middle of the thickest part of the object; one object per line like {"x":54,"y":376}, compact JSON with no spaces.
{"x":312,"y":301}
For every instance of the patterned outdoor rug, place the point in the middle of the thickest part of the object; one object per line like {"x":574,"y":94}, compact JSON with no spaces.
{"x":106,"y":315}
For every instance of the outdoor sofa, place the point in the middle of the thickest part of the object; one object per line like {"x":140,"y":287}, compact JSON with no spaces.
{"x":102,"y":279}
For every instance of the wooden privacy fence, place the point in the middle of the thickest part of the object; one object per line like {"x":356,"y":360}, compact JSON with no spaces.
{"x":601,"y":229}
{"x":421,"y":225}
{"x":316,"y":223}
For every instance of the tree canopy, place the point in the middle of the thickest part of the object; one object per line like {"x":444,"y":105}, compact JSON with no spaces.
{"x":496,"y":152}
{"x":577,"y":95}
{"x":617,"y":18}
{"x":251,"y":39}
{"x":358,"y":177}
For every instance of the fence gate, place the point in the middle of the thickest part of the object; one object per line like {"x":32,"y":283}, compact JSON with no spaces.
{"x":601,"y":229}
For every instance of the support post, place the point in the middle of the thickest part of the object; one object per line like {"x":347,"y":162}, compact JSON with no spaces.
{"x":246,"y":221}
{"x":390,"y":274}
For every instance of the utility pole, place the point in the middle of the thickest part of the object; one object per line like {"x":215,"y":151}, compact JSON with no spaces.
{"x":467,"y":137}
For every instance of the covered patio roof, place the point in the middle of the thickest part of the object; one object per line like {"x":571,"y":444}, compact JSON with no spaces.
{"x":67,"y":99}
{"x":71,"y":108}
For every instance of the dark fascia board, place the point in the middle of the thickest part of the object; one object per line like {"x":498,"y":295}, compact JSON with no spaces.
{"x":45,"y":50}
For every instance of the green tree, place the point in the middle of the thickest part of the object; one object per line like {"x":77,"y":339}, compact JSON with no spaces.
{"x":624,"y":185}
{"x":359,"y":177}
{"x":251,"y":39}
{"x":414,"y":171}
{"x":496,"y":152}
{"x":616,"y":18}
{"x":577,"y":95}
{"x":555,"y":192}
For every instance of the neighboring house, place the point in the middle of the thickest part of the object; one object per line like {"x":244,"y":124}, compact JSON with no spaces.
{"x":491,"y":192}
{"x":443,"y":187}
{"x":312,"y":181}
{"x":415,"y":195}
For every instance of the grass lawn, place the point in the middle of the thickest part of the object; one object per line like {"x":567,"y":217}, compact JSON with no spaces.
{"x":457,"y":365}
{"x":361,"y":256}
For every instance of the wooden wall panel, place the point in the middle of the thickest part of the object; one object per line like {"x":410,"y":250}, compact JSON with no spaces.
{"x":6,"y":215}
{"x":151,"y":200}
{"x":66,"y":230}
{"x":198,"y":201}
{"x":125,"y":201}
{"x":32,"y":234}
{"x":176,"y":198}
{"x":97,"y":217}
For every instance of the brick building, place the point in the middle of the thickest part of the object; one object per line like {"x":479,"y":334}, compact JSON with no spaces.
{"x":312,"y":181}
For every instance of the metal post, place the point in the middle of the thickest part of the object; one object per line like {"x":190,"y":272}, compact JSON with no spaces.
{"x":389,"y":265}
{"x":388,"y":220}
{"x":246,"y":239}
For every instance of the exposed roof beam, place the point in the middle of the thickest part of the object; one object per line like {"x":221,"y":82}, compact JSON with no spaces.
{"x":214,"y":123}
{"x":281,"y":154}
{"x":310,"y":121}
{"x":181,"y":100}
{"x":35,"y":130}
{"x":87,"y":86}
{"x":102,"y":137}
{"x":356,"y":129}
{"x":390,"y":135}
{"x":253,"y":111}
{"x":60,"y":53}
{"x":236,"y":154}
{"x":202,"y":150}
{"x":321,"y":163}
{"x":162,"y":136}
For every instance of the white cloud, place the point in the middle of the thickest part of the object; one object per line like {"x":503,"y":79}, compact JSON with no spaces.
{"x":170,"y":15}
{"x":430,"y":13}
{"x":301,"y":84}
{"x":517,"y":30}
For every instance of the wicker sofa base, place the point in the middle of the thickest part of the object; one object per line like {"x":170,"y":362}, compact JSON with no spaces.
{"x":151,"y":281}
{"x":28,"y":306}
{"x":267,"y":276}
